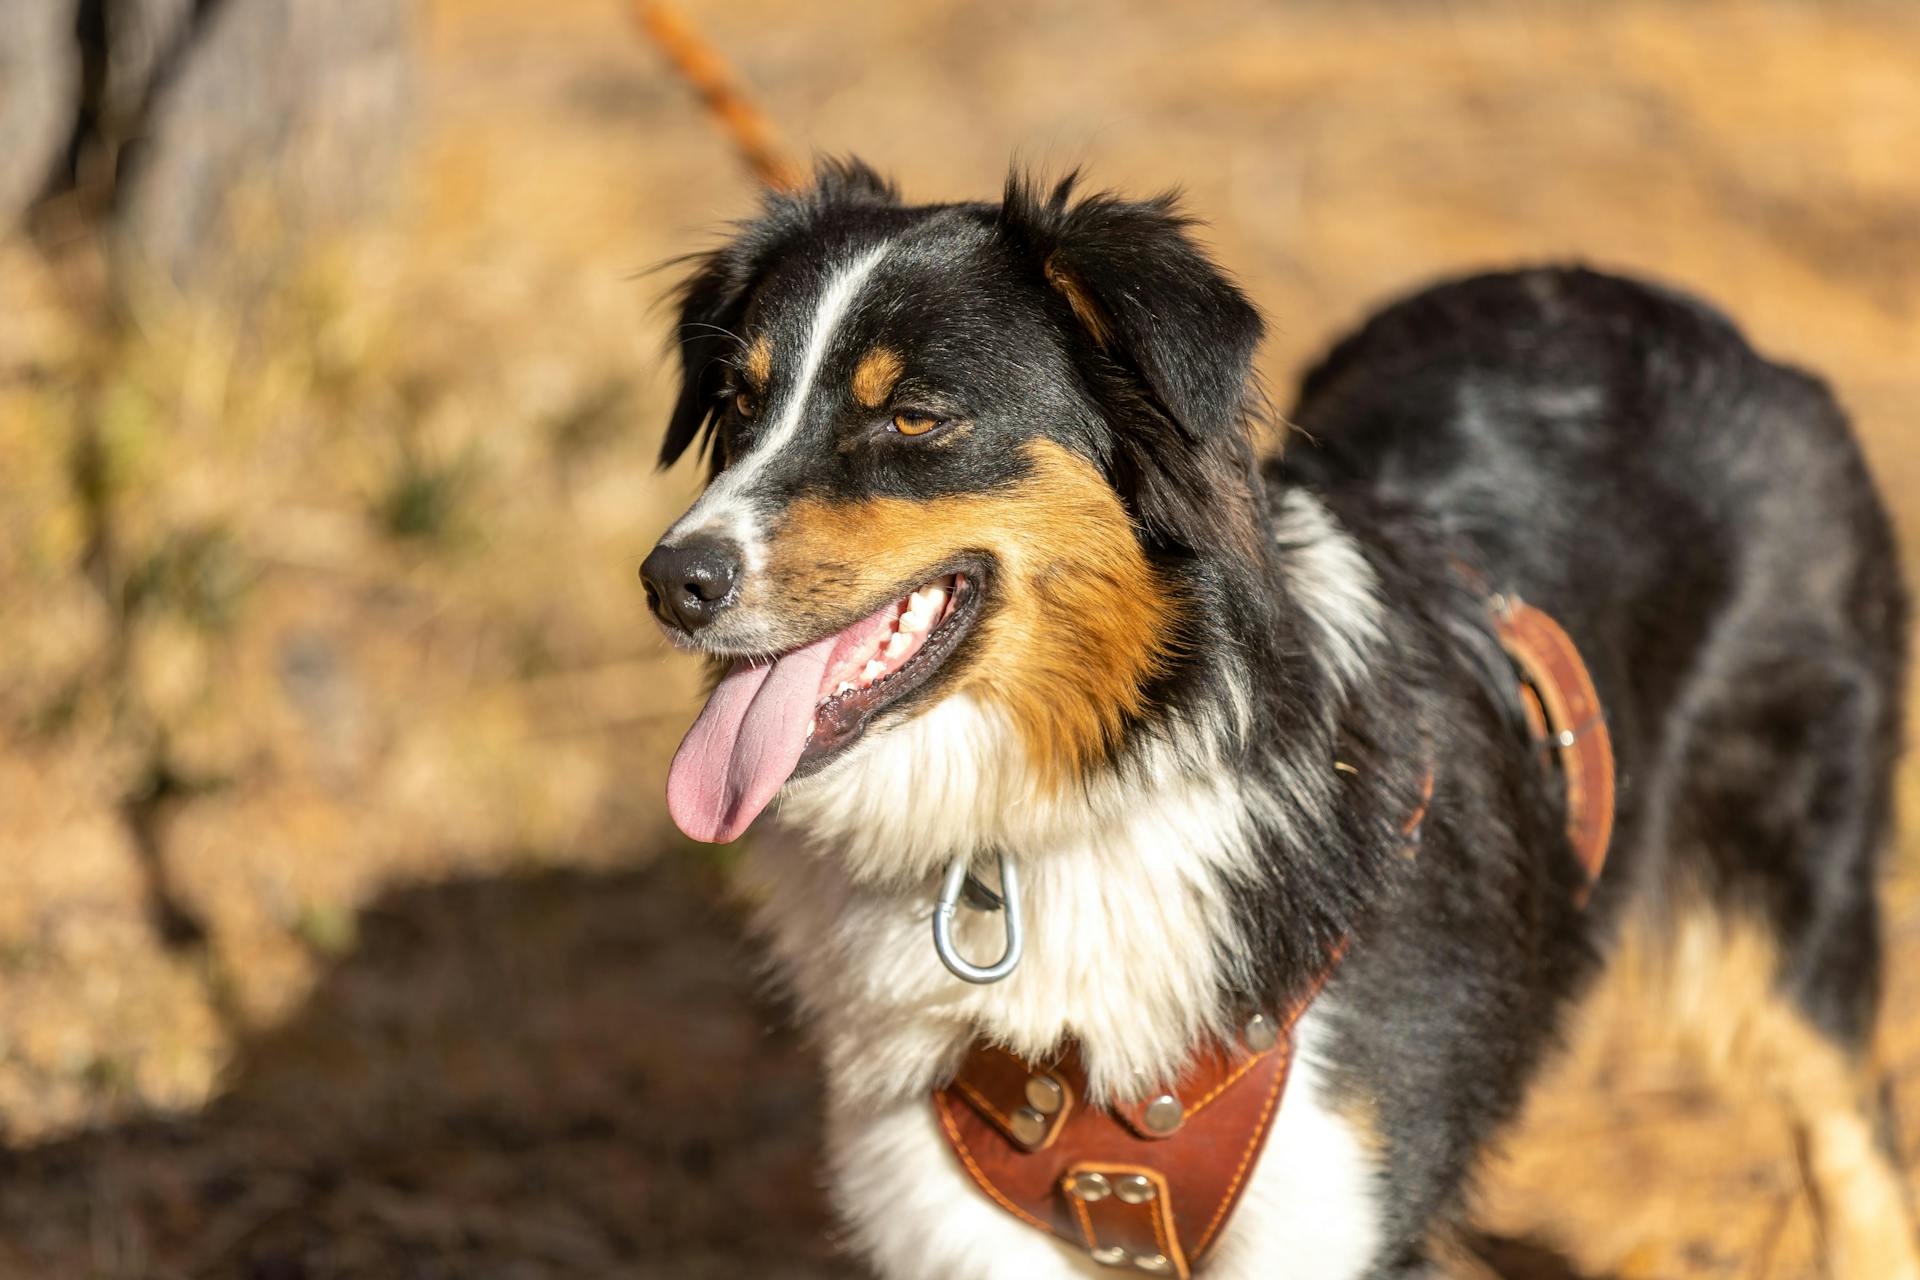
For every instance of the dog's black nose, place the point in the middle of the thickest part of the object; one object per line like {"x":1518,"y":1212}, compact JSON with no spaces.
{"x":690,"y":584}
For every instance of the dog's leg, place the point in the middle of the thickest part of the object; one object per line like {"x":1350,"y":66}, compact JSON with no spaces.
{"x":1849,"y":1166}
{"x":1773,"y":955}
{"x":1718,"y":979}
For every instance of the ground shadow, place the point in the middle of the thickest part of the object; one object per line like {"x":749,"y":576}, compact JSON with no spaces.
{"x":562,"y":1074}
{"x":558,"y":1074}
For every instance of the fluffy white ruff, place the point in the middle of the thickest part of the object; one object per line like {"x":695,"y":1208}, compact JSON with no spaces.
{"x":1334,"y":584}
{"x":1130,"y":940}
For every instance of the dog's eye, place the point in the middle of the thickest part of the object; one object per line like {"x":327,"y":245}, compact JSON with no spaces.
{"x":745,"y":405}
{"x":910,"y":423}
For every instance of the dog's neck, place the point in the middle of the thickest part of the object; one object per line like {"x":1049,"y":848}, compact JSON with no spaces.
{"x":1138,"y":942}
{"x":1131,"y":941}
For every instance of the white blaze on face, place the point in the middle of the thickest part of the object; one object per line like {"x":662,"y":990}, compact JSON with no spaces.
{"x":727,"y":506}
{"x":750,"y":736}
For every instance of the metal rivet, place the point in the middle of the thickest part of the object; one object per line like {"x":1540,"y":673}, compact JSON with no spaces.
{"x":1045,"y":1095}
{"x":1110,"y":1256}
{"x":1134,"y":1189}
{"x":1261,"y":1033}
{"x":1090,"y":1186}
{"x":1164,"y":1113}
{"x":1157,"y":1263}
{"x":1028,"y":1125}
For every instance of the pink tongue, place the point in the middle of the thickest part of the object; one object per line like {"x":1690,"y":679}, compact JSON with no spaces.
{"x":745,"y":743}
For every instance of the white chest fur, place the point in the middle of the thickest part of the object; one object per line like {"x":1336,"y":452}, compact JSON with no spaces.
{"x":1129,"y":944}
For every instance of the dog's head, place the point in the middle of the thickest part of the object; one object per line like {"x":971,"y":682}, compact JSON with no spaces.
{"x":958,"y":453}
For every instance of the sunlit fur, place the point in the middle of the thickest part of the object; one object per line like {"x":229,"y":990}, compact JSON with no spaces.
{"x":1134,"y":948}
{"x":1079,"y":623}
{"x":1329,"y":570}
{"x":1702,"y":981}
{"x":1206,"y":694}
{"x":858,"y":952}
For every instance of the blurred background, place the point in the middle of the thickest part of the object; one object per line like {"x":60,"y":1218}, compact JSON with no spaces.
{"x":342,"y":931}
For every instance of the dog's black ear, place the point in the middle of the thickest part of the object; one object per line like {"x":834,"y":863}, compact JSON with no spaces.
{"x":712,"y":302}
{"x":713,"y":299}
{"x":1171,"y":342}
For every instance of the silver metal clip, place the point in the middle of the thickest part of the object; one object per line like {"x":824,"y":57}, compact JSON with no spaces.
{"x":959,"y":879}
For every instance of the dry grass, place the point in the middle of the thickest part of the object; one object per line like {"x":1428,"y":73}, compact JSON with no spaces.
{"x":367,"y":655}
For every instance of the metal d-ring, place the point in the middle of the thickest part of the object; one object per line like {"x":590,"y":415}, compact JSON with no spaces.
{"x":957,"y":881}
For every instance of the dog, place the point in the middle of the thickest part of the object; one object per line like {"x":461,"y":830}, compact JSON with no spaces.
{"x":1298,"y":871}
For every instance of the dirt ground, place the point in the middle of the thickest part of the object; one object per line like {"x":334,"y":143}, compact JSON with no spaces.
{"x":343,"y":932}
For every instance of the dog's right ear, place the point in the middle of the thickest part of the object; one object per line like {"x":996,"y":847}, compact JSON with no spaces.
{"x":1169,"y":340}
{"x":713,"y":299}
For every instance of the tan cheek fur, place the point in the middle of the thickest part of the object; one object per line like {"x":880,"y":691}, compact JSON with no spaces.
{"x":1083,"y":621}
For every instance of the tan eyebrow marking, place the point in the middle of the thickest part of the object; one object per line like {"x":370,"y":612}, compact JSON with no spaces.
{"x":875,"y":376}
{"x":759,"y":366}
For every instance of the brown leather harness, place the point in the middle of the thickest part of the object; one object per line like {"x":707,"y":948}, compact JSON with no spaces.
{"x":1149,"y":1184}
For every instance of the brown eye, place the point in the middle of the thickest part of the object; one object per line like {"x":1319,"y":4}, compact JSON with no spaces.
{"x":744,"y":405}
{"x":908,"y":423}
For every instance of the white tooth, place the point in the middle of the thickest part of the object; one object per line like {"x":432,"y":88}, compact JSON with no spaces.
{"x":914,"y":624}
{"x":901,"y":642}
{"x":936,"y":596}
{"x":872,"y":671}
{"x":846,"y":686}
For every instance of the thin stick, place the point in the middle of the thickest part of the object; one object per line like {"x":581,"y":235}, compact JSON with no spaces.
{"x":702,"y":66}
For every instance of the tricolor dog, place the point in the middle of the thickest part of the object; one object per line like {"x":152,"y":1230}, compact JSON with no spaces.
{"x":1271,"y":811}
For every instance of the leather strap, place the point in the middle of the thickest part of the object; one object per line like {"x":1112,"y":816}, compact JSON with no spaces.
{"x":1145,"y":1185}
{"x":1125,"y":1214}
{"x":1563,"y":711}
{"x":1028,"y":1105}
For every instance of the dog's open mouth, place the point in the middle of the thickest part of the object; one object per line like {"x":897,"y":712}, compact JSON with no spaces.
{"x":881,"y":660}
{"x":769,"y":720}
